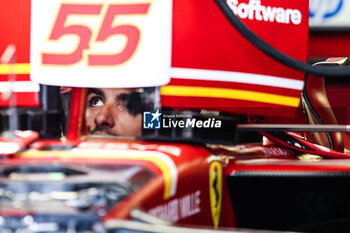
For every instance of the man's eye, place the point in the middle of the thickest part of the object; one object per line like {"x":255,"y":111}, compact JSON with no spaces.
{"x":96,"y":102}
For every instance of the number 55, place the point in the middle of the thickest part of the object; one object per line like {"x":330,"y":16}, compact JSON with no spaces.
{"x":84,"y":33}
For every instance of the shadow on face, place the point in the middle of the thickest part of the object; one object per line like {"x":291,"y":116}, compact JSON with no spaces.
{"x":113,"y":111}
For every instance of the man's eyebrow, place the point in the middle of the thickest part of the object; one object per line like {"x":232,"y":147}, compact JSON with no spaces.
{"x":96,"y":91}
{"x":123,"y":95}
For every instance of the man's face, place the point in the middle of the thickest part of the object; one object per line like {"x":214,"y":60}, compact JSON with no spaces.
{"x":106,"y":113}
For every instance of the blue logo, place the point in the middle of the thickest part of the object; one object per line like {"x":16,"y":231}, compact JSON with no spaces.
{"x":151,"y":120}
{"x":325,"y":9}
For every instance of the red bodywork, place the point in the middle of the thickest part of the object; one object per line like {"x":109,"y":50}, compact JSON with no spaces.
{"x":180,"y":190}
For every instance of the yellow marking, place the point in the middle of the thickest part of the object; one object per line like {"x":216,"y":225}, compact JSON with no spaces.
{"x":215,"y":190}
{"x":65,"y":154}
{"x":229,"y":94}
{"x":19,"y":68}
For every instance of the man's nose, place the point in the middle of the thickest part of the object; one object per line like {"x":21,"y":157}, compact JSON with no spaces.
{"x":105,"y":117}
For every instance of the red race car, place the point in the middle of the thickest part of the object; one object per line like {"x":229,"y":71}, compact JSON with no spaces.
{"x":158,"y":116}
